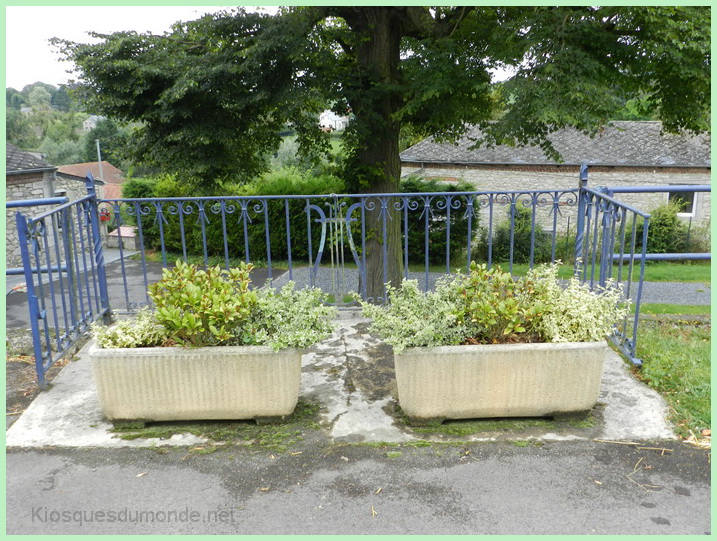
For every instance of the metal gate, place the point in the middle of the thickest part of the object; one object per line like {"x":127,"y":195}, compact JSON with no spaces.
{"x":64,"y":271}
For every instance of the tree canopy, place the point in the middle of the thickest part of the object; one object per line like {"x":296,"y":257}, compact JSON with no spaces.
{"x":213,"y":94}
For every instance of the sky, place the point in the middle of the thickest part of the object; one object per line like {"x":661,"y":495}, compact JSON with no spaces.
{"x":29,"y":56}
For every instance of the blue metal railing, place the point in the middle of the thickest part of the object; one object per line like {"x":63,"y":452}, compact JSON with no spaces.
{"x":332,"y":232}
{"x":61,"y":252}
{"x":331,"y":241}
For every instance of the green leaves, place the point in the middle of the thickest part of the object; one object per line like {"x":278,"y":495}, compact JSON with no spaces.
{"x":212,"y":307}
{"x":203,"y":308}
{"x":489,"y":306}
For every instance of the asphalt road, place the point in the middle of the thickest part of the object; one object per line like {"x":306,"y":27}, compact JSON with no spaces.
{"x":486,"y":488}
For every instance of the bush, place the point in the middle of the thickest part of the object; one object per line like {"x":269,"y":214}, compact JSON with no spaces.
{"x":283,"y":182}
{"x":437,"y":224}
{"x":490,"y":306}
{"x":522,"y":236}
{"x":667,"y":233}
{"x":216,"y":307}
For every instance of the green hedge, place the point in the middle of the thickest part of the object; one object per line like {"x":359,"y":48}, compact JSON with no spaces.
{"x":287,"y":181}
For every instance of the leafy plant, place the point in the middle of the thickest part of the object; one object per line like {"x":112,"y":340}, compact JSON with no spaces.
{"x":490,"y":306}
{"x":213,"y":307}
{"x":204,"y":308}
{"x":524,"y":236}
{"x":143,"y":331}
{"x":667,"y":233}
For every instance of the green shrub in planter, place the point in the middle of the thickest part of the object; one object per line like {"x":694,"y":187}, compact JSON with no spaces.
{"x":216,"y":307}
{"x":490,"y":306}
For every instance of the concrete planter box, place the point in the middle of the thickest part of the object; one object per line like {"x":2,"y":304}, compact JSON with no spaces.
{"x":173,"y":383}
{"x":502,"y":380}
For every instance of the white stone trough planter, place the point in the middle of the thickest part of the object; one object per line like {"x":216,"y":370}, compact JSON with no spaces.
{"x":174,"y":383}
{"x":501,"y":380}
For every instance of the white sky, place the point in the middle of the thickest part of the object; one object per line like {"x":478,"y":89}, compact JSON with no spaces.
{"x":29,"y":56}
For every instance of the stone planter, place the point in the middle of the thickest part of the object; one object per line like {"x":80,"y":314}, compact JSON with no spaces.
{"x":166,"y":384}
{"x":502,"y":380}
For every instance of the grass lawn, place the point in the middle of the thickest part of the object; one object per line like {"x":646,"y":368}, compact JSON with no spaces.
{"x":680,"y":309}
{"x":655,"y":271}
{"x":676,"y":363}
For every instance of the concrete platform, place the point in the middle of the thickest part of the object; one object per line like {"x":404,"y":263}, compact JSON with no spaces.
{"x":351,"y":376}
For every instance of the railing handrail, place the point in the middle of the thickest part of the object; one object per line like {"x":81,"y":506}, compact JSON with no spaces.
{"x":619,"y":204}
{"x":21,"y":203}
{"x":661,"y":189}
{"x":337,"y":196}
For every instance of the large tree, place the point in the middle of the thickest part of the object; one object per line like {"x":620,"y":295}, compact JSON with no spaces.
{"x":213,"y":94}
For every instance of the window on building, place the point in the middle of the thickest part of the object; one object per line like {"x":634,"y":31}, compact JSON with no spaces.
{"x":685,"y":200}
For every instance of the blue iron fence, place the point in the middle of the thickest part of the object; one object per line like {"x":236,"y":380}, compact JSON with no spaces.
{"x":64,"y":272}
{"x":329,"y":241}
{"x":329,"y":236}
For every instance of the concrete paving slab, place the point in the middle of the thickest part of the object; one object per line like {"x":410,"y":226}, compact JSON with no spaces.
{"x":355,"y":403}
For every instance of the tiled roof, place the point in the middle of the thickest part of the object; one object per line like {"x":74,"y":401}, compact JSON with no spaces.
{"x":18,"y":161}
{"x":112,"y":191}
{"x":622,"y":143}
{"x":111,"y":174}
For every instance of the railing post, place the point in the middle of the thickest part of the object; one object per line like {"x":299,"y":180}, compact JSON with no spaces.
{"x":34,"y":306}
{"x":94,"y":217}
{"x":582,"y":210}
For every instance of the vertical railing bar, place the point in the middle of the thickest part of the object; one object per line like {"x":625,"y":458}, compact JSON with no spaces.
{"x":288,"y":236}
{"x":633,"y":348}
{"x":342,"y":251}
{"x":225,"y":240}
{"x":159,"y":216}
{"x":93,"y":263}
{"x":245,"y":218}
{"x":469,"y":214}
{"x":68,"y":241}
{"x":363,"y":248}
{"x":595,"y":245}
{"x":267,"y":237}
{"x":533,"y":210}
{"x":55,"y":220}
{"x":556,"y":210}
{"x":123,"y":265}
{"x":50,"y":281}
{"x":310,"y":241}
{"x":513,"y":202}
{"x":405,"y":236}
{"x":202,"y":216}
{"x":623,"y":224}
{"x":143,"y":257}
{"x":83,"y":248}
{"x":33,"y":305}
{"x":76,"y":291}
{"x":384,"y":212}
{"x":448,"y":234}
{"x":180,"y":213}
{"x":490,"y":230}
{"x":426,"y":217}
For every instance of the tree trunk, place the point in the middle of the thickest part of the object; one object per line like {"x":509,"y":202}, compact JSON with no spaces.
{"x":376,"y":161}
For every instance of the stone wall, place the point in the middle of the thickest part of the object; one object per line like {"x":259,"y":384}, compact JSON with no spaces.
{"x":548,"y":178}
{"x":34,"y":186}
{"x":18,"y":187}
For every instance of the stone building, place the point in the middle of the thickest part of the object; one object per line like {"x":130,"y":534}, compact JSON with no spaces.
{"x":625,"y":153}
{"x":28,"y":176}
